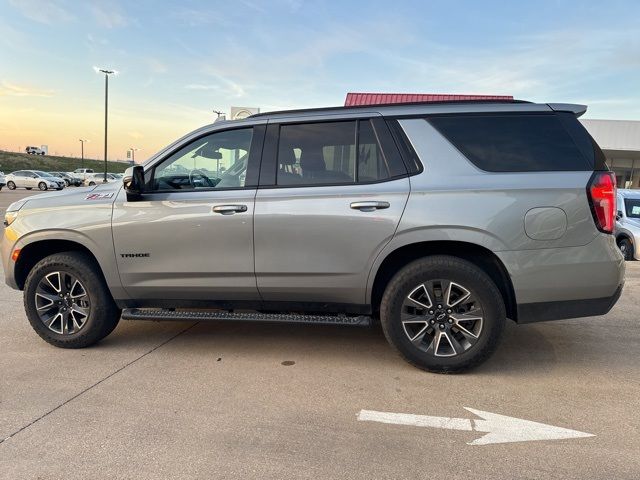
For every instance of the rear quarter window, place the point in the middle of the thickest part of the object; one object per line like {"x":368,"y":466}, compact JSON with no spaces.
{"x":518,"y":143}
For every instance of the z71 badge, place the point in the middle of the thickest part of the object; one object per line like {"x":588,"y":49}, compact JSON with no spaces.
{"x":98,"y":196}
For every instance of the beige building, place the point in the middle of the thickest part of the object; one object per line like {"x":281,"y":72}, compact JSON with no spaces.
{"x":620,"y":141}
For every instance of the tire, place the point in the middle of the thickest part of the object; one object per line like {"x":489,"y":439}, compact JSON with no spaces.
{"x":42,"y":186}
{"x":91,"y":184}
{"x":626,"y":247}
{"x":11,"y":185}
{"x":66,"y":183}
{"x":463,"y":342}
{"x":78,"y":330}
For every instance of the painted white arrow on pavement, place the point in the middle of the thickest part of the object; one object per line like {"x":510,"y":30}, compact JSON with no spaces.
{"x":498,"y":428}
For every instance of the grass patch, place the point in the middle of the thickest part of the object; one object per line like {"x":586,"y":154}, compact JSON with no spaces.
{"x":11,"y":161}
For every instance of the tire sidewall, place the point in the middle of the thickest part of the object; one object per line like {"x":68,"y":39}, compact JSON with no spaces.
{"x":628,"y":253}
{"x":101,"y":305}
{"x":466,"y":275}
{"x":42,"y":186}
{"x":11,"y":185}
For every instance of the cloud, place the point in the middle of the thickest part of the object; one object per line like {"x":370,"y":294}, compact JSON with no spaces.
{"x":253,"y":6}
{"x":195,"y":18}
{"x":12,"y":90}
{"x":223,"y":85}
{"x":109,"y":15}
{"x":43,"y":11}
{"x":156,"y":66}
{"x":93,"y":40}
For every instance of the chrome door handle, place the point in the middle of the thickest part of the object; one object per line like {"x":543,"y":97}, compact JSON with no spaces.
{"x":229,"y":209}
{"x":369,"y":206}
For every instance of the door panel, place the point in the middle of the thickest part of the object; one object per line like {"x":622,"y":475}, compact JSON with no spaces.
{"x":191,"y":236}
{"x":175,"y":246}
{"x":312,"y":246}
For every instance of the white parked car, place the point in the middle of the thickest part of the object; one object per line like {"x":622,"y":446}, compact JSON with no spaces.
{"x":628,"y":223}
{"x":31,"y":179}
{"x":98,"y":178}
{"x":35,"y":151}
{"x":81,"y":173}
{"x":3,"y":180}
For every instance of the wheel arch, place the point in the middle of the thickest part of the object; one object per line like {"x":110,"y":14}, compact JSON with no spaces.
{"x":35,"y":251}
{"x":474,"y":253}
{"x":624,"y":234}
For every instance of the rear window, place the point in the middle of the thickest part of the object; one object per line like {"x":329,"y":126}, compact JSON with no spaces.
{"x":519,"y":143}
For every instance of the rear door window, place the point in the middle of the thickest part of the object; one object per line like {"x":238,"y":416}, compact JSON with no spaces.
{"x":333,"y":153}
{"x":517,"y":143}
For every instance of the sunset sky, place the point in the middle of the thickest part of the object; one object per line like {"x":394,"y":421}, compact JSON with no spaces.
{"x":178,"y":61}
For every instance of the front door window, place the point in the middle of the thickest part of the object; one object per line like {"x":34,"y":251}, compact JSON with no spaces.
{"x":215,"y":161}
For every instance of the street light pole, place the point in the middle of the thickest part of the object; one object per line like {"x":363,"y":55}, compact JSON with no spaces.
{"x":133,"y":151}
{"x":82,"y":152}
{"x":106,"y":109}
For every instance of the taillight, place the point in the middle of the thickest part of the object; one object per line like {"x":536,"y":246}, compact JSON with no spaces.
{"x":602,"y":199}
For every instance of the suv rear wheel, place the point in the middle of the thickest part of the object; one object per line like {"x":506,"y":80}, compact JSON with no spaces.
{"x":68,"y":303}
{"x":443,"y":314}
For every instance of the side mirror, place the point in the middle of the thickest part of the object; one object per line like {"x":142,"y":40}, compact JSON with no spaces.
{"x":133,"y":182}
{"x":619,"y":215}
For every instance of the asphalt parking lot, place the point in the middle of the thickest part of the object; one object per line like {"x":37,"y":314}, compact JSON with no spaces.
{"x":223,"y":400}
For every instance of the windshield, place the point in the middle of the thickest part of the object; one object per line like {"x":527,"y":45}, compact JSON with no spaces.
{"x":632,"y":207}
{"x":41,"y":174}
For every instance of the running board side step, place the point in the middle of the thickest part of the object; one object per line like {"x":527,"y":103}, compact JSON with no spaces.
{"x":201,"y":315}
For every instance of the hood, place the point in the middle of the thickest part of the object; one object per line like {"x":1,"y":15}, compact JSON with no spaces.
{"x":70,"y":196}
{"x":632,"y":222}
{"x":55,"y":179}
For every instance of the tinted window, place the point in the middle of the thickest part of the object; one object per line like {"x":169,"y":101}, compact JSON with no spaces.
{"x":218,"y":160}
{"x":317,"y":153}
{"x":332,"y":153}
{"x":514,"y":143}
{"x":372,"y":165}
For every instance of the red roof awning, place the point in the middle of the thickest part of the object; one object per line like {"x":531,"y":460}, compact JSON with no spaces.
{"x":354,"y":99}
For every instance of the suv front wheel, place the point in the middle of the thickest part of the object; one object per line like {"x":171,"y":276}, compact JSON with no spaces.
{"x":443,"y":314}
{"x":68,"y":302}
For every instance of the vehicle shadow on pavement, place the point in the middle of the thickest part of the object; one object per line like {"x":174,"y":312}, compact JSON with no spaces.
{"x":523,"y":347}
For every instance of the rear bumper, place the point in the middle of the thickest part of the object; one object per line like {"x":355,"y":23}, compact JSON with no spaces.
{"x":544,"y":311}
{"x":555,"y":283}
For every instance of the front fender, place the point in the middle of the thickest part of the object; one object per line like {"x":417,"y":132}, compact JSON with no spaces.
{"x":88,"y":225}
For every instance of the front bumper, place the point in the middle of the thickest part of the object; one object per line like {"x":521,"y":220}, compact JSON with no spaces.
{"x":6,"y":247}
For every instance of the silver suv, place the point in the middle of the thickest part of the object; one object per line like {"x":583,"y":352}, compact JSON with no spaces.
{"x":439,"y":220}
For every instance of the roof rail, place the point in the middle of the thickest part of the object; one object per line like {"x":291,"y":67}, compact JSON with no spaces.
{"x":354,"y":99}
{"x":364,"y":107}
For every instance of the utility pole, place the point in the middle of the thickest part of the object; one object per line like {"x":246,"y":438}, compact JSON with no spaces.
{"x":106,"y":109}
{"x":220,"y":115}
{"x":82,"y":152}
{"x":133,"y":151}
